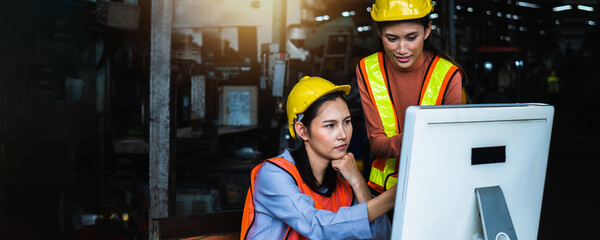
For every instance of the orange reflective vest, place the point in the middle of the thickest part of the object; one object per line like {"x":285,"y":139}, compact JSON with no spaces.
{"x":384,"y":172}
{"x":341,"y":197}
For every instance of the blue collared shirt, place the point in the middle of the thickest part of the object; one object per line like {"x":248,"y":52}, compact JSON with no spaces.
{"x":279,"y":202}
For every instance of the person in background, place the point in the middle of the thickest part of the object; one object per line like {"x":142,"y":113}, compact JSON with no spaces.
{"x":315,"y":191}
{"x":409,"y":71}
{"x":553,"y":85}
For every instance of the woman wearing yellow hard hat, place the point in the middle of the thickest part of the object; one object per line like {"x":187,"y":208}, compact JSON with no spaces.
{"x":315,"y":191}
{"x":409,"y":71}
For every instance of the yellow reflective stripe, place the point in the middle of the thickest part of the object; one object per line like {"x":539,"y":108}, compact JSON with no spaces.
{"x":382,"y":101}
{"x":391,"y":182}
{"x":435,"y":82}
{"x":379,"y":89}
{"x":377,"y":176}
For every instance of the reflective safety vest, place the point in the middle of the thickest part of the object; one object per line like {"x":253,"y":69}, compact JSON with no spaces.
{"x":341,"y":197}
{"x":553,"y":84}
{"x":384,"y":172}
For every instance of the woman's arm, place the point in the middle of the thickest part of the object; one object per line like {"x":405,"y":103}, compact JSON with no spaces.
{"x":279,"y":203}
{"x":376,"y":207}
{"x":380,"y":144}
{"x":381,"y":204}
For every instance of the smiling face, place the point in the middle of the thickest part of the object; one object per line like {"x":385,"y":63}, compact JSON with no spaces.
{"x":329,"y":133}
{"x":403,"y":42}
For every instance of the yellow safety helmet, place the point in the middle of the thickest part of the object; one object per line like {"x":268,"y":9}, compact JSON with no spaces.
{"x":306,"y":92}
{"x":396,"y":10}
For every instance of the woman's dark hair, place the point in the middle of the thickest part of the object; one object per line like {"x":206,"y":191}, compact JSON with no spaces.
{"x":301,"y":158}
{"x":428,"y":44}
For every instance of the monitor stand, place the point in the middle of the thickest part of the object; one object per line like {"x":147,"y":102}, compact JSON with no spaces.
{"x":495,"y":218}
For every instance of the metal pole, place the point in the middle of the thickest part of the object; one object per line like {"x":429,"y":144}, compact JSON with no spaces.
{"x":451,"y":30}
{"x":279,"y":23}
{"x":161,"y":140}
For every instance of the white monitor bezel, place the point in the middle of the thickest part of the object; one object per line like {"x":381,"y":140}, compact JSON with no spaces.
{"x":493,"y":123}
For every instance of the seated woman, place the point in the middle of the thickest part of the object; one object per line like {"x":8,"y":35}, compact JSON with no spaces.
{"x":315,"y":191}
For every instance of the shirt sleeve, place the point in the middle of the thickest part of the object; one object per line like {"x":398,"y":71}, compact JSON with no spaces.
{"x":380,"y":144}
{"x":277,"y":194}
{"x":381,"y":228}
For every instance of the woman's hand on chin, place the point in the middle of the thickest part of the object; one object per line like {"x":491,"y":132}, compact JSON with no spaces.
{"x":346,"y":166}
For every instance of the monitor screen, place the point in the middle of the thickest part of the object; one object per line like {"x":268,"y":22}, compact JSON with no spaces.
{"x":449,"y":151}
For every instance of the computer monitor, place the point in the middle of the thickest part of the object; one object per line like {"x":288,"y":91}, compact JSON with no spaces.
{"x":450,"y":151}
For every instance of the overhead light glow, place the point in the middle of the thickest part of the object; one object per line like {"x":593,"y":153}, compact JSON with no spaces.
{"x":519,"y":63}
{"x":322,"y":18}
{"x":529,"y":5}
{"x":348,"y":13}
{"x":591,"y":23}
{"x":562,"y":8}
{"x":469,"y":9}
{"x":508,"y":38}
{"x":488,"y":65}
{"x":585,"y":8}
{"x":363,"y":28}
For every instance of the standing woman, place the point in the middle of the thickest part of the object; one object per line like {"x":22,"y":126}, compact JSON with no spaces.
{"x":315,"y":191}
{"x":410,"y":71}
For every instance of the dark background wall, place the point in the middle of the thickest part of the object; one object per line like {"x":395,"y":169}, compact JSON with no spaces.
{"x":56,"y":158}
{"x":51,"y":162}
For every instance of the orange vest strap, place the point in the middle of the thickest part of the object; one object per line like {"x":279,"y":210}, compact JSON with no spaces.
{"x":439,"y":73}
{"x":248,"y":214}
{"x":447,"y":78}
{"x":341,"y":197}
{"x":372,"y":69}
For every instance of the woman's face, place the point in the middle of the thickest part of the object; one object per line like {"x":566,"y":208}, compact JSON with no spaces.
{"x":330,"y":131}
{"x":403,"y":42}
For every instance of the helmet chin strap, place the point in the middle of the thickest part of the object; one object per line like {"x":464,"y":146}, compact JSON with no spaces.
{"x":300,"y":116}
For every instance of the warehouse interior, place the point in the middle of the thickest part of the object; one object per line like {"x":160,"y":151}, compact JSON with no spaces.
{"x":80,"y":82}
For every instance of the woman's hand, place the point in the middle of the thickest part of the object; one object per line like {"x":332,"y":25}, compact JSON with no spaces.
{"x":347,"y":167}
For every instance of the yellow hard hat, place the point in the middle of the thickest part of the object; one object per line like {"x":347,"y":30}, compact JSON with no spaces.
{"x":396,"y":10}
{"x":306,"y":92}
